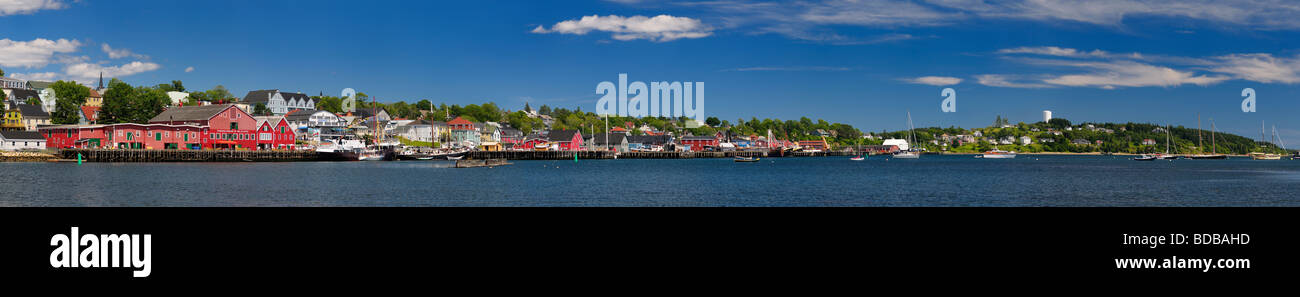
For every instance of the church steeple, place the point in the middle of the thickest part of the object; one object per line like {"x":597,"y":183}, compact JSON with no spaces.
{"x":101,"y":80}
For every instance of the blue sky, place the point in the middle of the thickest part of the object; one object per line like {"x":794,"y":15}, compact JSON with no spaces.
{"x":859,"y":62}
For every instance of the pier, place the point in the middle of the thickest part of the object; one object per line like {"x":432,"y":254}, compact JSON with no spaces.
{"x":481,"y":163}
{"x":588,"y":155}
{"x":94,"y":155}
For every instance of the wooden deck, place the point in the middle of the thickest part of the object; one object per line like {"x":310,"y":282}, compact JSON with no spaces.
{"x":569,"y":155}
{"x":92,"y":155}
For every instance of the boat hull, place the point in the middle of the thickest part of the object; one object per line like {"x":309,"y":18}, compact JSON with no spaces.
{"x":999,"y":156}
{"x":338,"y":156}
{"x":1208,"y":157}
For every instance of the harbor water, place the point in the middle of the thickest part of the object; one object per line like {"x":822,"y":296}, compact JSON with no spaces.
{"x":815,"y":181}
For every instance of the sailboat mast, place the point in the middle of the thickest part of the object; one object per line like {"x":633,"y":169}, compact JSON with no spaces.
{"x":911,"y":132}
{"x":1168,"y":136}
{"x":1200,"y":140}
{"x":1214,"y":129}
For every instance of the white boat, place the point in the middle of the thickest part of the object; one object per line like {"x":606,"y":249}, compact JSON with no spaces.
{"x":909,"y":153}
{"x":906,"y":155}
{"x":998,"y":154}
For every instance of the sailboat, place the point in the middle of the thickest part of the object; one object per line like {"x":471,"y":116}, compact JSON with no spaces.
{"x":911,"y":141}
{"x":377,"y":152}
{"x":861,"y":155}
{"x":1168,"y":137}
{"x":1265,"y":156}
{"x":1214,"y":155}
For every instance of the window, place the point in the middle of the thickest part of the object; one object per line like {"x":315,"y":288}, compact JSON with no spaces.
{"x":157,"y":136}
{"x":234,"y":126}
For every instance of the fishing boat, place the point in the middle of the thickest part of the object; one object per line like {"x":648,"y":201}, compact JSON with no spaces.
{"x":746,"y":159}
{"x":998,"y":154}
{"x":1145,"y":158}
{"x":909,"y":153}
{"x":342,"y":150}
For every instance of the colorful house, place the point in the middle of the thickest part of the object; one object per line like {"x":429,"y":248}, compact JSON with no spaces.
{"x":463,"y":133}
{"x":566,"y":140}
{"x":275,"y":133}
{"x":21,"y":140}
{"x":813,"y":144}
{"x":699,"y":143}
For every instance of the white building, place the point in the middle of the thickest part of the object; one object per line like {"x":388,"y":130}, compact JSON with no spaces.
{"x":1047,"y":116}
{"x":21,"y":140}
{"x":1025,"y":140}
{"x":900,"y":143}
{"x":279,"y":103}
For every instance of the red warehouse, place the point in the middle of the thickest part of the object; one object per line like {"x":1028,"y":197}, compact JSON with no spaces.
{"x":273,"y":133}
{"x":699,"y":143}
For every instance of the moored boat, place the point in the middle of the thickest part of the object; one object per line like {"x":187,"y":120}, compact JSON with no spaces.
{"x":746,"y":159}
{"x":998,"y":154}
{"x":1145,"y":158}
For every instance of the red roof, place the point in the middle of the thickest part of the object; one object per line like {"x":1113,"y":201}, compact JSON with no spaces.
{"x":618,"y":129}
{"x":459,"y":121}
{"x":90,"y":112}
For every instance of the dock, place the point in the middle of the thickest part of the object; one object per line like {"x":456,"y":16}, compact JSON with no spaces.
{"x":98,"y":155}
{"x":481,"y":163}
{"x":590,"y":155}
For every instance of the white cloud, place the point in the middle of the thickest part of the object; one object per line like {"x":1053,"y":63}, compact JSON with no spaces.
{"x":120,"y":53}
{"x":189,"y":69}
{"x":12,"y":7}
{"x":1255,"y":13}
{"x":934,"y":80}
{"x":793,"y":68}
{"x":660,"y":28}
{"x":1109,"y":75}
{"x":1068,"y":52}
{"x":90,"y":72}
{"x":46,"y":76}
{"x":823,"y":19}
{"x":33,"y":54}
{"x":1262,"y":68}
{"x":1007,"y":81}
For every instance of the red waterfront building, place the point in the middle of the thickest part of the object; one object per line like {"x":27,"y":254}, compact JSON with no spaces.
{"x":192,"y":127}
{"x":275,"y":134}
{"x":699,"y":143}
{"x":567,"y":140}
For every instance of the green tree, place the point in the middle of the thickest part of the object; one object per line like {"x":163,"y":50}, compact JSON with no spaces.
{"x":33,"y":101}
{"x":126,"y":104}
{"x":2,"y":74}
{"x":260,"y":109}
{"x":69,"y":96}
{"x":712,"y":121}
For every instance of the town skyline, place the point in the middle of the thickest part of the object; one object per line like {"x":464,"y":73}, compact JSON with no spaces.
{"x":834,"y":60}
